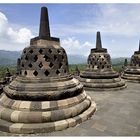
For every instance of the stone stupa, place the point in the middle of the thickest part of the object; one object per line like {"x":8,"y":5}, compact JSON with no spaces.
{"x":44,"y":97}
{"x":8,"y":77}
{"x":99,"y":74}
{"x":125,"y":64}
{"x":131,"y":72}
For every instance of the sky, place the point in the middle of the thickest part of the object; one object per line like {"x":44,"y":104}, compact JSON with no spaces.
{"x":76,"y":26}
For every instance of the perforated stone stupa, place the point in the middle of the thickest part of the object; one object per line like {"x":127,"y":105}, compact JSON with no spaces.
{"x":99,"y":74}
{"x":132,"y":72}
{"x":44,"y":97}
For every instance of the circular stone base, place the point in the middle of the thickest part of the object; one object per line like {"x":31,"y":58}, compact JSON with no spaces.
{"x":38,"y":106}
{"x":134,"y":78}
{"x":104,"y":89}
{"x":30,"y":128}
{"x":17,"y":116}
{"x":49,"y":89}
{"x":103,"y":84}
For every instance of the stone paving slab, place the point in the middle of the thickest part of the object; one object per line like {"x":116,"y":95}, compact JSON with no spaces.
{"x":118,"y":114}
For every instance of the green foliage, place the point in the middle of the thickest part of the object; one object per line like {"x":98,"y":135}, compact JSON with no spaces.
{"x":3,"y":70}
{"x":81,"y":67}
{"x":117,"y":68}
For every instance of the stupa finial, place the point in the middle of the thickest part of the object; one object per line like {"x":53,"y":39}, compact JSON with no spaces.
{"x":139,"y":46}
{"x":98,"y":44}
{"x":98,"y":41}
{"x":44,"y":30}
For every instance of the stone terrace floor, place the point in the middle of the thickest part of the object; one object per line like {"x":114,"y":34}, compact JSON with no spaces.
{"x":118,"y":114}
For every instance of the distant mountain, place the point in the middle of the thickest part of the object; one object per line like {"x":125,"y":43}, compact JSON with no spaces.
{"x":10,"y":54}
{"x":119,"y":61}
{"x":10,"y":58}
{"x":77,"y":59}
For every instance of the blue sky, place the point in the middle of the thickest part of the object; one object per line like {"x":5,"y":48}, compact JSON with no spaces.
{"x":76,"y":26}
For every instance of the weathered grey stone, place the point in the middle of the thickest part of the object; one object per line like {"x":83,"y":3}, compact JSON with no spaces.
{"x":131,"y":72}
{"x":44,"y":95}
{"x":99,"y":74}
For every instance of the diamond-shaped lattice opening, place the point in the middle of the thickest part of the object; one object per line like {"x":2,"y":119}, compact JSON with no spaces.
{"x":65,"y":71}
{"x":102,"y":67}
{"x":35,"y":73}
{"x":63,"y":51}
{"x":55,"y":57}
{"x":62,"y":57}
{"x":30,"y":65}
{"x":108,"y":67}
{"x":57,"y":72}
{"x":46,"y":57}
{"x":35,"y":58}
{"x":25,"y":72}
{"x":50,"y":51}
{"x":26,"y":58}
{"x":24,"y":51}
{"x":46,"y":72}
{"x":22,"y":65}
{"x":58,"y":51}
{"x":31,"y":51}
{"x":40,"y":51}
{"x":66,"y":63}
{"x":40,"y":65}
{"x":60,"y":65}
{"x":51,"y":65}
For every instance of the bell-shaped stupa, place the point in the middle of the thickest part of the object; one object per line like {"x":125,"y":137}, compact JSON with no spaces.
{"x":43,"y":97}
{"x":131,"y":72}
{"x":99,"y":74}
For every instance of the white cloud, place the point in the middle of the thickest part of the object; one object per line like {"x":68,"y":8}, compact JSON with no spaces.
{"x":21,"y":36}
{"x":118,"y":23}
{"x":73,"y":46}
{"x":111,"y":19}
{"x":3,"y":24}
{"x":119,"y":19}
{"x":18,"y":38}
